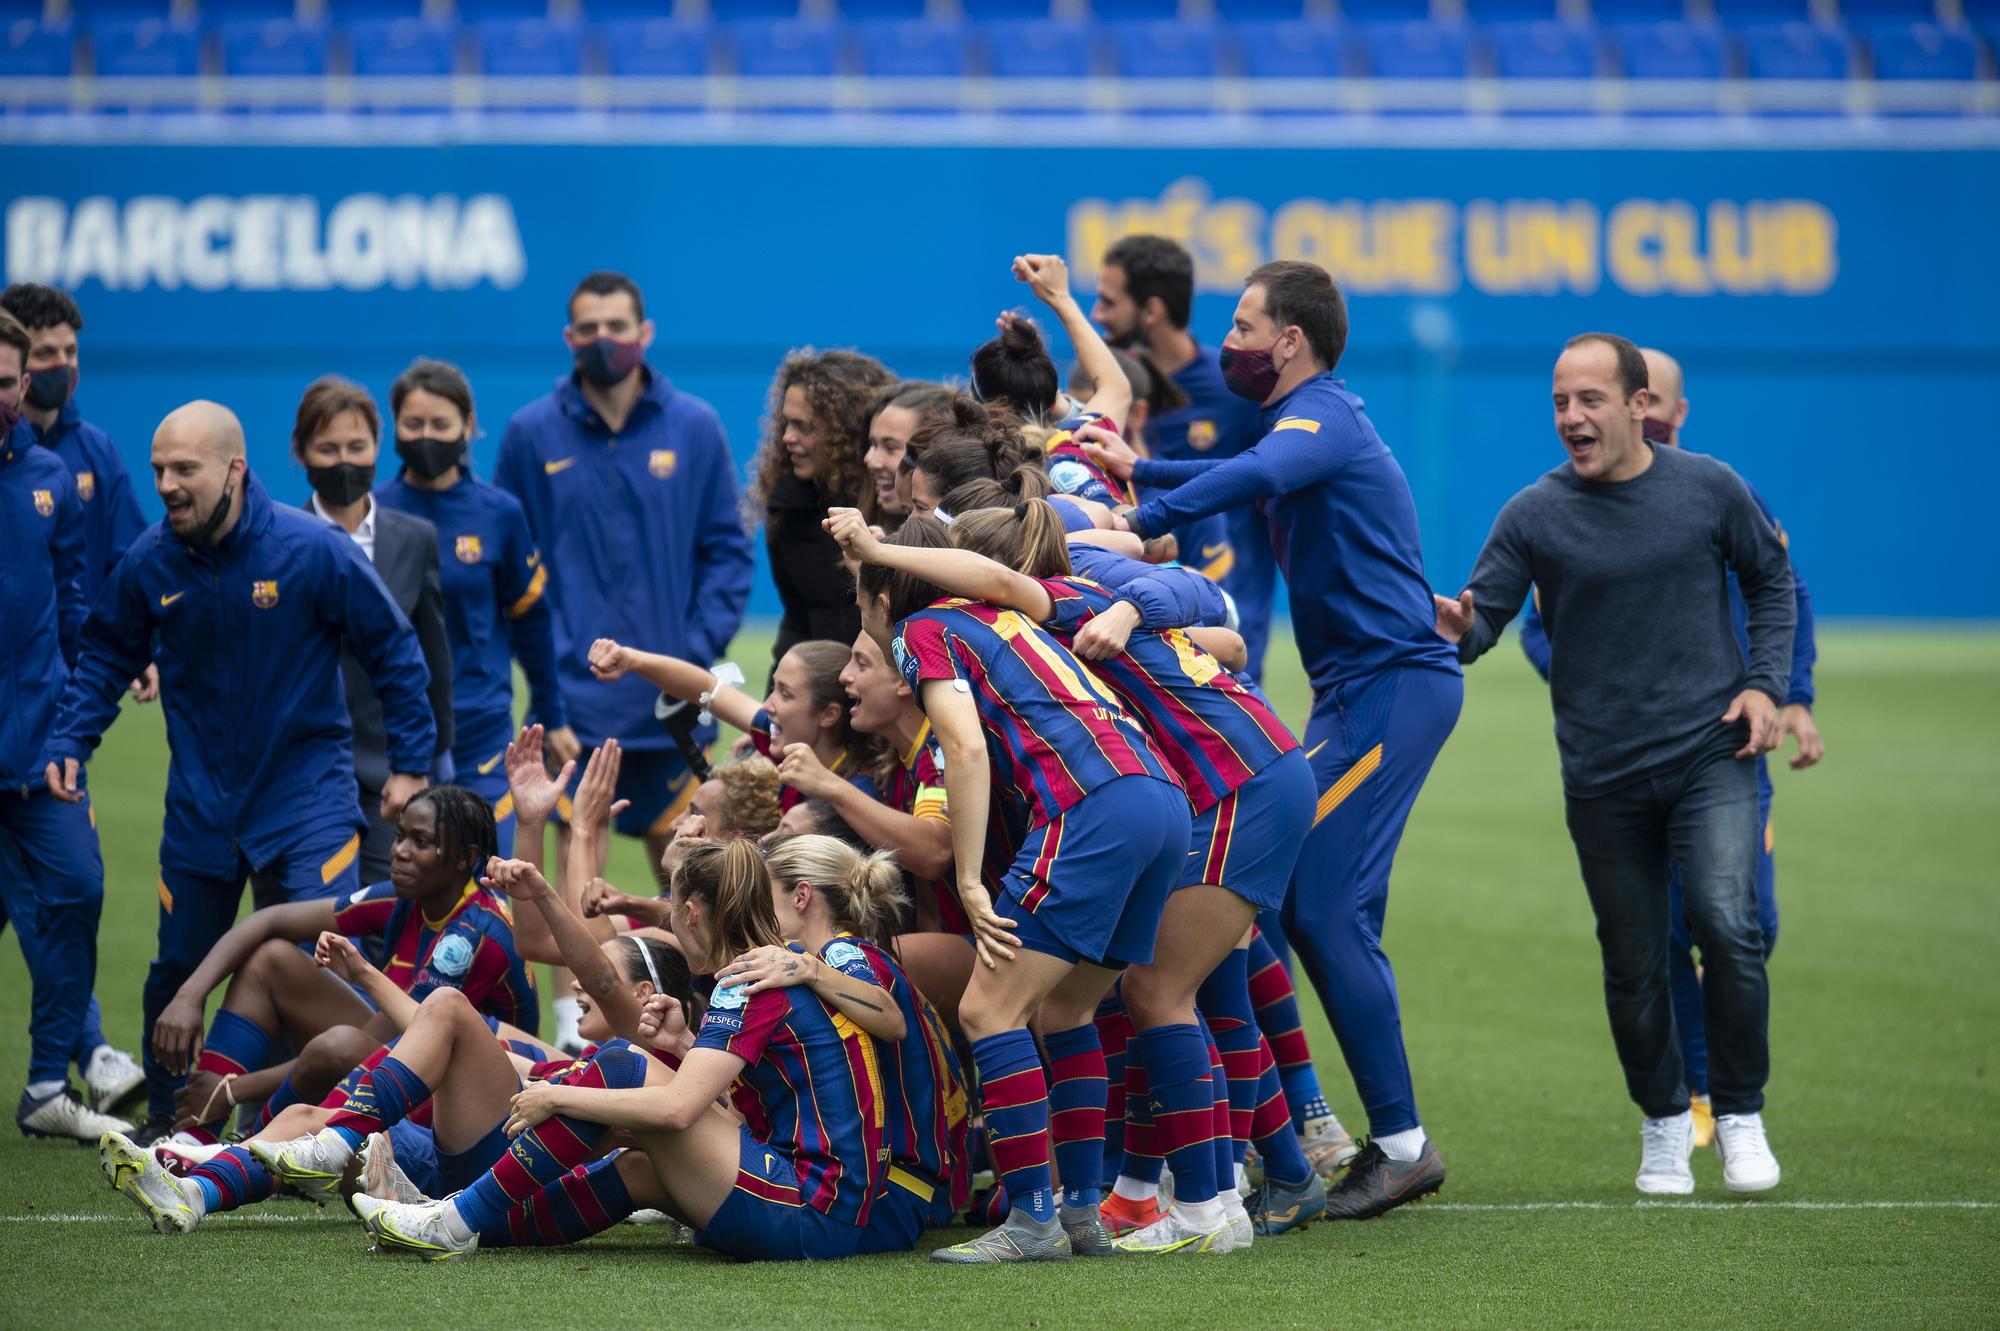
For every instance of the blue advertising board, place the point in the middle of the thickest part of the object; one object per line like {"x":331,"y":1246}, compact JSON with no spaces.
{"x":1833,"y":308}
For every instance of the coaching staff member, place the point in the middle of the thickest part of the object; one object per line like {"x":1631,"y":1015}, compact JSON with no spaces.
{"x":243,"y":604}
{"x":1659,"y":721}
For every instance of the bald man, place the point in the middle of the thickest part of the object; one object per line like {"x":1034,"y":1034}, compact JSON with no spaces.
{"x":248,"y":602}
{"x":1666,"y":413}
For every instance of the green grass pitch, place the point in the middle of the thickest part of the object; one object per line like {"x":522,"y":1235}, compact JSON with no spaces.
{"x":1883,"y":1104}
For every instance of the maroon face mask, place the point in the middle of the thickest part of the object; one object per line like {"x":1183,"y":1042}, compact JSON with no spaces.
{"x":1658,"y":432}
{"x":608,"y":361}
{"x":1249,"y":374}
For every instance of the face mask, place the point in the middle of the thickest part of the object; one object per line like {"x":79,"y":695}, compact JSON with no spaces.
{"x":1658,"y":432}
{"x":49,"y":389}
{"x":428,"y":459}
{"x":1249,"y":374}
{"x":205,"y":534}
{"x":343,"y":483}
{"x":608,"y":361}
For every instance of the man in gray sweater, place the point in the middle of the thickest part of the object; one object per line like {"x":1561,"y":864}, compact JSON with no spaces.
{"x":1659,"y":724}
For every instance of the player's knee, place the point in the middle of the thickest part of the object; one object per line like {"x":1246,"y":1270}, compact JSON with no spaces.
{"x":1153,"y":997}
{"x":328,"y":1057}
{"x":272,"y":958}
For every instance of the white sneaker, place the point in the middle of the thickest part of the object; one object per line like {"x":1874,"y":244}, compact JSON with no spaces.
{"x":381,"y":1177}
{"x":1241,"y":1232}
{"x":111,"y":1076}
{"x":404,"y":1227}
{"x":1747,"y":1162}
{"x":1327,"y":1145}
{"x":133,"y":1171}
{"x":311,"y":1164}
{"x":646,"y":1215}
{"x":1173,"y":1234}
{"x":1665,"y":1144}
{"x":64,"y":1114}
{"x":181,"y":1158}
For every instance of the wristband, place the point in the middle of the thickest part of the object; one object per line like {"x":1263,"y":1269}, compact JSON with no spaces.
{"x":727,"y":675}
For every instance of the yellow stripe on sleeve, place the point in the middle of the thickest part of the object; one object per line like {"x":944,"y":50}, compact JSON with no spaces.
{"x":532,"y":595}
{"x":1305,"y":423}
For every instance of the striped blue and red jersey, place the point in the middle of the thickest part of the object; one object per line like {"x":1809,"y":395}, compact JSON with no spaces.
{"x":845,"y":764}
{"x":915,"y":785}
{"x":471,"y":949}
{"x":1216,"y":734}
{"x":1054,"y":731}
{"x":814,"y":1082}
{"x":1074,"y":472}
{"x":926,"y":1103}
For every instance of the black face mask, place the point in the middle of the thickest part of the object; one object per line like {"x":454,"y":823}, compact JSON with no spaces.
{"x":343,"y":483}
{"x":49,"y":389}
{"x":205,"y":533}
{"x":428,"y":459}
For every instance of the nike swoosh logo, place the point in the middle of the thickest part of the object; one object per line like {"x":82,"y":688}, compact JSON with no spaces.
{"x":166,"y":601}
{"x":560,"y":464}
{"x":492,"y":762}
{"x":1211,"y":551}
{"x":1314,"y":749}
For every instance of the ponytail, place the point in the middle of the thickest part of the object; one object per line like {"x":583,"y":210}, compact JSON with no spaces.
{"x":729,"y":878}
{"x":1028,"y":537}
{"x":865,"y":893}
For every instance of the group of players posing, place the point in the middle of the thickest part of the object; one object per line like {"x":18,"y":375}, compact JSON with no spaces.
{"x":1045,"y":734}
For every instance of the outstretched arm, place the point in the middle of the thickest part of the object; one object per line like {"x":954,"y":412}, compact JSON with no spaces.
{"x":1048,"y":276}
{"x":575,"y":943}
{"x":675,"y":678}
{"x":177,"y":1032}
{"x":960,"y":572}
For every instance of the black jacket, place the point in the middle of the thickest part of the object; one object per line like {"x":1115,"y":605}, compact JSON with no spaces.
{"x":813,"y":585}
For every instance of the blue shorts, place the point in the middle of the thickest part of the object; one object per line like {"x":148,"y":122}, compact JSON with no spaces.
{"x":900,"y":1215}
{"x":765,"y":1219}
{"x":1249,"y":841}
{"x":656,"y":781}
{"x":489,"y":782}
{"x":417,"y":1156}
{"x":460,"y":1170}
{"x":1091,"y":884}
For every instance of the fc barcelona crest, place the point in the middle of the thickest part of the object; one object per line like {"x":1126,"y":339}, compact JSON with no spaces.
{"x":467,"y":549}
{"x":264,"y":595}
{"x":661,"y":463}
{"x":45,"y":502}
{"x":1201,"y":435}
{"x":86,"y":485}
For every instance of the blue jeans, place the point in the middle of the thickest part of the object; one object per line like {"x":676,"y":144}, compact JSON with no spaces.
{"x":1702,"y":820}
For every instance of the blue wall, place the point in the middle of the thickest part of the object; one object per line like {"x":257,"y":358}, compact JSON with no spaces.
{"x":1834,"y":309}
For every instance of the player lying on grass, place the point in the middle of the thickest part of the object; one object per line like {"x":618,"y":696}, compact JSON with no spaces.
{"x":441,"y":928}
{"x":803,"y":1188}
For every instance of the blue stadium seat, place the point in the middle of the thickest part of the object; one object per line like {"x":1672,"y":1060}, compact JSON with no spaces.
{"x":729,"y":11}
{"x":1876,"y":13}
{"x":1384,"y":11}
{"x":30,"y":49}
{"x":620,"y":11}
{"x":477,"y":11}
{"x":1671,"y":50}
{"x":1133,"y":11}
{"x":1796,"y":51}
{"x":1761,"y":13}
{"x":1923,"y":51}
{"x":1540,"y":50}
{"x":654,"y":48}
{"x":997,"y":10}
{"x":1259,"y":11}
{"x":93,"y":12}
{"x":1043,"y":49}
{"x":146,"y":49}
{"x":344,"y":12}
{"x":785,"y":48}
{"x":214,"y":13}
{"x":1509,"y":11}
{"x":528,"y":48}
{"x":1624,"y":12}
{"x":1163,"y":49}
{"x":1414,"y":50}
{"x":273,"y":48}
{"x":1292,"y":50}
{"x":400,"y":48}
{"x":864,"y":10}
{"x":907,"y":49}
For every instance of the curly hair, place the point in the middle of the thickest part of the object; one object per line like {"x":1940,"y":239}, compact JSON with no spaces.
{"x":750,"y":788}
{"x":840,"y":388}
